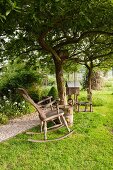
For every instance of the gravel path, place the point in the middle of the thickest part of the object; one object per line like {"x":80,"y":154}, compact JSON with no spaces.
{"x":18,"y":125}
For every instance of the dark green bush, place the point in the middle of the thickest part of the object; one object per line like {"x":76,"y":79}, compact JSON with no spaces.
{"x":36,"y":94}
{"x":13,"y":76}
{"x":17,"y":75}
{"x":53,"y":92}
{"x":45,"y":91}
{"x":22,"y":79}
{"x":51,"y":80}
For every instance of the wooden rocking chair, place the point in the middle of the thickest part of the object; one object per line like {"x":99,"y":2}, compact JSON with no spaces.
{"x":46,"y":117}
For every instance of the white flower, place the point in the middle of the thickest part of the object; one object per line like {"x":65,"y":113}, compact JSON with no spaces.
{"x":4,"y":97}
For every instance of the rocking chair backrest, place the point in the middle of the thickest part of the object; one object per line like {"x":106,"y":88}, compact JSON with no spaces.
{"x":24,"y":93}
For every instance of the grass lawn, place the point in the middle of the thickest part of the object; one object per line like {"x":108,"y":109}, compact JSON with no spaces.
{"x":90,"y":147}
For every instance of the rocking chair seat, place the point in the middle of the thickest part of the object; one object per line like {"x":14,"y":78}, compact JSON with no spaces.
{"x":54,"y":112}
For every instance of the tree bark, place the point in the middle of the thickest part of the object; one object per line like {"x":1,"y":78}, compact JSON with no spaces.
{"x":89,"y":86}
{"x":60,"y":82}
{"x":89,"y":80}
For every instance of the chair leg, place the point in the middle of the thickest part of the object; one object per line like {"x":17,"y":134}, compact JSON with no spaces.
{"x":85,"y":107}
{"x":45,"y":130}
{"x":65,"y":123}
{"x":78,"y":107}
{"x":91,"y":109}
{"x":53,"y":122}
{"x":41,"y":126}
{"x":60,"y":120}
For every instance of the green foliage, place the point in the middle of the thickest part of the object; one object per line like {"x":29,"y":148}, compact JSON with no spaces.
{"x":45,"y":91}
{"x":82,"y":98}
{"x":108,"y":84}
{"x":51,"y":80}
{"x":98,"y":101}
{"x":84,"y":79}
{"x":53,"y":92}
{"x":6,"y":8}
{"x":3,"y":119}
{"x":36,"y":93}
{"x":71,"y":67}
{"x":19,"y":107}
{"x":63,"y":23}
{"x":17,"y":75}
{"x":13,"y":109}
{"x":55,"y":26}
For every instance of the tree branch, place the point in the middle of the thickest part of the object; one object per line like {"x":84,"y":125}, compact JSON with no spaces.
{"x":83,"y":35}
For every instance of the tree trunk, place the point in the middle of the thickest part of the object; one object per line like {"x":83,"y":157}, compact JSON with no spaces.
{"x":60,"y":82}
{"x":89,"y":89}
{"x":96,"y":81}
{"x":89,"y":79}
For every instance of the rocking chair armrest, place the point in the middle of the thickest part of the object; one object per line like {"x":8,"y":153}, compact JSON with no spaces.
{"x":42,"y":101}
{"x":61,"y":106}
{"x":64,"y":106}
{"x":50,"y":104}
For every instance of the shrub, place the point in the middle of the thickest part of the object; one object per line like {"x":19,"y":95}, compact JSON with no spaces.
{"x":36,"y":94}
{"x":17,"y":75}
{"x":13,"y":76}
{"x":53,"y":92}
{"x":22,"y":79}
{"x":13,"y":109}
{"x":3,"y":119}
{"x":45,"y":91}
{"x":51,"y":80}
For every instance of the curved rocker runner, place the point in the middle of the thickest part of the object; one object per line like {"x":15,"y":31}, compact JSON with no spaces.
{"x":51,"y":140}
